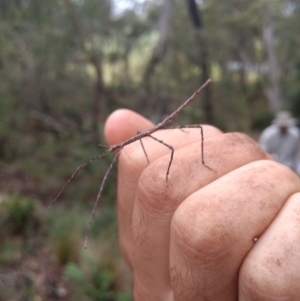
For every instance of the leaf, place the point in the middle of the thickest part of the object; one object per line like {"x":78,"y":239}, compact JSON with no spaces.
{"x":72,"y":271}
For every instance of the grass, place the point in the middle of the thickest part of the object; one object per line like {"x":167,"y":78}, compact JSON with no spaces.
{"x":42,"y":254}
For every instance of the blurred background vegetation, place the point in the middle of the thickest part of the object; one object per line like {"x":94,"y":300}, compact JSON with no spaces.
{"x":65,"y":65}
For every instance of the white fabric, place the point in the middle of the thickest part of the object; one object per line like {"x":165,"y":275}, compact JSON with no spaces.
{"x":283,"y":147}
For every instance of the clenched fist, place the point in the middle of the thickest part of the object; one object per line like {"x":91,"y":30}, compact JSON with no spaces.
{"x":231,"y":232}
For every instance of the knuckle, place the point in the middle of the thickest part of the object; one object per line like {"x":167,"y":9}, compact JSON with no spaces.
{"x":158,"y":193}
{"x":153,"y":191}
{"x":272,"y":169}
{"x":242,"y":140}
{"x":197,"y":237}
{"x":268,"y":280}
{"x":271,"y":270}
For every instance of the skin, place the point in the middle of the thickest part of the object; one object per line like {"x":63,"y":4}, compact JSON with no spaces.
{"x":283,"y":129}
{"x":228,"y":234}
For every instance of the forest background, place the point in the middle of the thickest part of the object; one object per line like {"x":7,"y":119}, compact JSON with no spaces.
{"x":65,"y":65}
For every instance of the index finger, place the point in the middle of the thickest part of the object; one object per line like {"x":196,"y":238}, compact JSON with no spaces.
{"x":123,"y":124}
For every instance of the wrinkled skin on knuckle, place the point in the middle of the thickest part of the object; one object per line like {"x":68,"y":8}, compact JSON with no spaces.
{"x":287,"y":176}
{"x":263,"y":292}
{"x":246,"y":144}
{"x":263,"y":288}
{"x":271,"y":270}
{"x":198,"y":243}
{"x":242,"y":138}
{"x":199,"y":256}
{"x":187,"y":177}
{"x":153,"y":190}
{"x":204,"y":227}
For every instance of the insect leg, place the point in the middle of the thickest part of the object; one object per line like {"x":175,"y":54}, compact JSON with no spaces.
{"x":98,"y":198}
{"x":172,"y":154}
{"x":144,"y":150}
{"x":202,"y":143}
{"x":76,"y":172}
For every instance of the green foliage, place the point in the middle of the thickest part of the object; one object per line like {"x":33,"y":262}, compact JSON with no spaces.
{"x":65,"y":234}
{"x":47,"y":78}
{"x":124,"y":297}
{"x":73,"y":272}
{"x":90,"y":274}
{"x":18,"y":215}
{"x":262,"y":121}
{"x":105,"y":224}
{"x":292,"y":89}
{"x":9,"y":253}
{"x":94,"y":282}
{"x":62,"y":71}
{"x":67,"y":237}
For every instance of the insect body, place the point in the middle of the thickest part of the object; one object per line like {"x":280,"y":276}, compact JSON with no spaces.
{"x":139,"y":136}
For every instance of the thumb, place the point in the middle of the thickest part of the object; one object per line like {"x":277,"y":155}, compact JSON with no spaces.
{"x":123,"y":124}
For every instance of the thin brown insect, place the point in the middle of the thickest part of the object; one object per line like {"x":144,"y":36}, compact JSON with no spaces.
{"x":139,"y":136}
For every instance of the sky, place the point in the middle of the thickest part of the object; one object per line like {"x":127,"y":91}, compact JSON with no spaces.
{"x":121,"y":5}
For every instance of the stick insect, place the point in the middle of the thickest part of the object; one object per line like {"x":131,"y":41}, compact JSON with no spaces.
{"x":139,"y":136}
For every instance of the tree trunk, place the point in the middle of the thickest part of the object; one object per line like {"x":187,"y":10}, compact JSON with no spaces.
{"x":95,"y":60}
{"x":273,"y":92}
{"x":207,"y":101}
{"x":160,"y":48}
{"x":197,"y":21}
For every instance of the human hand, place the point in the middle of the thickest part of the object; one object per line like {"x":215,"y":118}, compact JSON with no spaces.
{"x":195,"y":238}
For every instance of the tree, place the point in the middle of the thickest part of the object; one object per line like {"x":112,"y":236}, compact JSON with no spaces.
{"x":273,"y":91}
{"x":198,"y":23}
